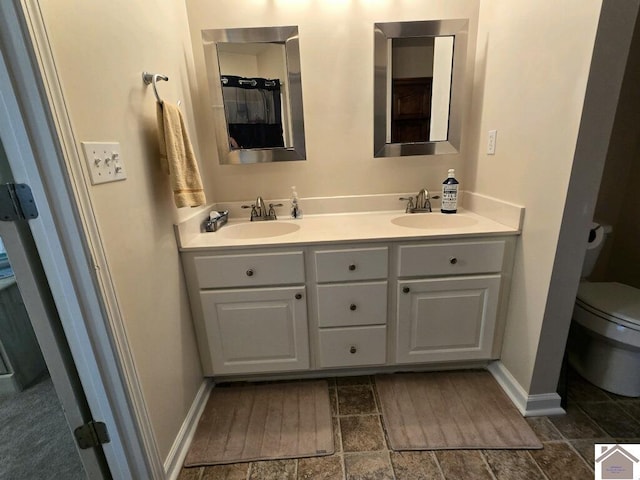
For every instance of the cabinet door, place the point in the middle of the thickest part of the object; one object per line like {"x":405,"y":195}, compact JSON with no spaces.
{"x":256,"y":330}
{"x":446,"y":319}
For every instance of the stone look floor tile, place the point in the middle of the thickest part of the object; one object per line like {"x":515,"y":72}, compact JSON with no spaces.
{"x":559,"y":462}
{"x":320,"y":468}
{"x":355,"y":380}
{"x":337,"y":437}
{"x":586,"y":449}
{"x":420,"y":465}
{"x":544,"y":429}
{"x":612,"y":418}
{"x":273,"y":470}
{"x":463,"y":465}
{"x":333,"y":399}
{"x":236,"y":471}
{"x":356,"y":399}
{"x":190,"y":473}
{"x":632,"y":407}
{"x":512,"y":465}
{"x":368,"y":466}
{"x":361,"y":433}
{"x":568,"y":440}
{"x":580,"y":390}
{"x":576,"y":424}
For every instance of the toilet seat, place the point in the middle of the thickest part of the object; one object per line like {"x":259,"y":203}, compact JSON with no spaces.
{"x":612,"y":301}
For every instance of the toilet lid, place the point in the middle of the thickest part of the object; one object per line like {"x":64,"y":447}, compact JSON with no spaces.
{"x":613,"y":299}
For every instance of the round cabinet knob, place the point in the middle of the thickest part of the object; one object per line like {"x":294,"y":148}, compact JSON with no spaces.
{"x":352,"y":267}
{"x":298,"y":296}
{"x":250,"y":272}
{"x":353,"y":349}
{"x":406,"y":289}
{"x":353,"y":307}
{"x":453,"y":260}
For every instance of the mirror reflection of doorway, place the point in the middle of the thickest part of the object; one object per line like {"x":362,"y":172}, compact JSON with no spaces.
{"x":35,"y":438}
{"x":411,"y":109}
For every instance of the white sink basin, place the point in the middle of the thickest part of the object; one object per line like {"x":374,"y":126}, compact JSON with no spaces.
{"x":433,"y":221}
{"x":257,"y":230}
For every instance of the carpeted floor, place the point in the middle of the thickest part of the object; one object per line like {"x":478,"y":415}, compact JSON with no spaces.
{"x":35,"y":440}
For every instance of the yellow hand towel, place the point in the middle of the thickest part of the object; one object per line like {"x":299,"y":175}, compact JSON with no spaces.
{"x":177,"y":157}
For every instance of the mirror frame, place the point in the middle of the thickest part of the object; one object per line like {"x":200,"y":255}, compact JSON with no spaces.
{"x":458,"y":28}
{"x":286,"y":35}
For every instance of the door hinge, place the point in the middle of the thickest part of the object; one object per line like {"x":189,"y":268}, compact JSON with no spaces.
{"x":16,"y":202}
{"x":91,"y":434}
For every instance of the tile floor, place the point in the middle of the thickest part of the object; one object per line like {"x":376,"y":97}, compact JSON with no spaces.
{"x":362,"y":453}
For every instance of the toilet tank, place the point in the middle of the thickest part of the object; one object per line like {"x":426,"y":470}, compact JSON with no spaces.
{"x":597,"y":236}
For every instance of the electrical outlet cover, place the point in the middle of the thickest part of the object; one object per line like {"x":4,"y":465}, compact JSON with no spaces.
{"x":104,"y":162}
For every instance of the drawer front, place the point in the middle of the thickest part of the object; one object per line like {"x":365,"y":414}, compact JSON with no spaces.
{"x":346,"y":305}
{"x":220,"y":271}
{"x":352,"y":264}
{"x":451,"y":258}
{"x":352,"y":346}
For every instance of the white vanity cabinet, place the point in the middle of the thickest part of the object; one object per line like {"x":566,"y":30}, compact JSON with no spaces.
{"x":351,"y":296}
{"x":375,"y":305}
{"x":447,"y":300}
{"x":250,"y":311}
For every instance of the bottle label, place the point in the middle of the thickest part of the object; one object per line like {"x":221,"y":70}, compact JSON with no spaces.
{"x":449,"y":197}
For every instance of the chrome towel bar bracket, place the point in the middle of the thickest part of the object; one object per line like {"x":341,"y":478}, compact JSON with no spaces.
{"x":152,"y":78}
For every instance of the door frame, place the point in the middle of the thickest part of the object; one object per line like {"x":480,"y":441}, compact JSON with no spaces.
{"x":39,"y":141}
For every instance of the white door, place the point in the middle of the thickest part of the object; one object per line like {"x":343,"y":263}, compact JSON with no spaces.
{"x":41,"y":401}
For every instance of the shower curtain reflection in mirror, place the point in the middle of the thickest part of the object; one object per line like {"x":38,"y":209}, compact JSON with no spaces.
{"x":253,"y":109}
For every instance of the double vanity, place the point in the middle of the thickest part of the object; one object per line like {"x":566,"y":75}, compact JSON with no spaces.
{"x":374,"y":291}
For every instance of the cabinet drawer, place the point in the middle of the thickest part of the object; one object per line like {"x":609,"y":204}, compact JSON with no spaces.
{"x":451,"y":258}
{"x":344,"y":305}
{"x":352,"y":346}
{"x":351,"y":264}
{"x":219,"y":271}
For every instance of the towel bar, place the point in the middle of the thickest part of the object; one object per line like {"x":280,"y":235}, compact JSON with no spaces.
{"x":152,"y":78}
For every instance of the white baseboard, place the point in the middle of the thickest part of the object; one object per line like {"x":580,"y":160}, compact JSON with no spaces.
{"x":528,"y":405}
{"x":8,"y":383}
{"x":173,"y":463}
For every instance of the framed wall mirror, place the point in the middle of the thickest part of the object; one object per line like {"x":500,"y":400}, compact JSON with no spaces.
{"x":418,"y":87}
{"x":256,"y":92}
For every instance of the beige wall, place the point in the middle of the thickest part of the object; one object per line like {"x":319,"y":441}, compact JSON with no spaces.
{"x":336,"y":49}
{"x":533,"y":96}
{"x":101,"y":49}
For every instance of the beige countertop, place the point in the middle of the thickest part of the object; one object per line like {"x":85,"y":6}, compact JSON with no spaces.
{"x":344,"y":227}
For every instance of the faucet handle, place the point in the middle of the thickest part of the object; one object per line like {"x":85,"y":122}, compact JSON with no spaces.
{"x":254,"y":212}
{"x":272,"y":211}
{"x":409,"y":201}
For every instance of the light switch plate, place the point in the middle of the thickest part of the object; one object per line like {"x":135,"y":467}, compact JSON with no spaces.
{"x":104,"y":162}
{"x":491,"y":142}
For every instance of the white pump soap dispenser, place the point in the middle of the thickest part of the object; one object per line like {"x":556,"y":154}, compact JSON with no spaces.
{"x":296,"y":211}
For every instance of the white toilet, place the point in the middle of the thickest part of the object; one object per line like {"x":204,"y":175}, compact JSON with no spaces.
{"x":604,"y":343}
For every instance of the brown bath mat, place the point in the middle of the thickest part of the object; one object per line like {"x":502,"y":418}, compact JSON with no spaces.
{"x":263,"y":422}
{"x":450,"y":410}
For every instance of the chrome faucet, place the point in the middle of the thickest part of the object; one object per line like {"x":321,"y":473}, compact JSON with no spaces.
{"x":422,"y":202}
{"x":260,"y":212}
